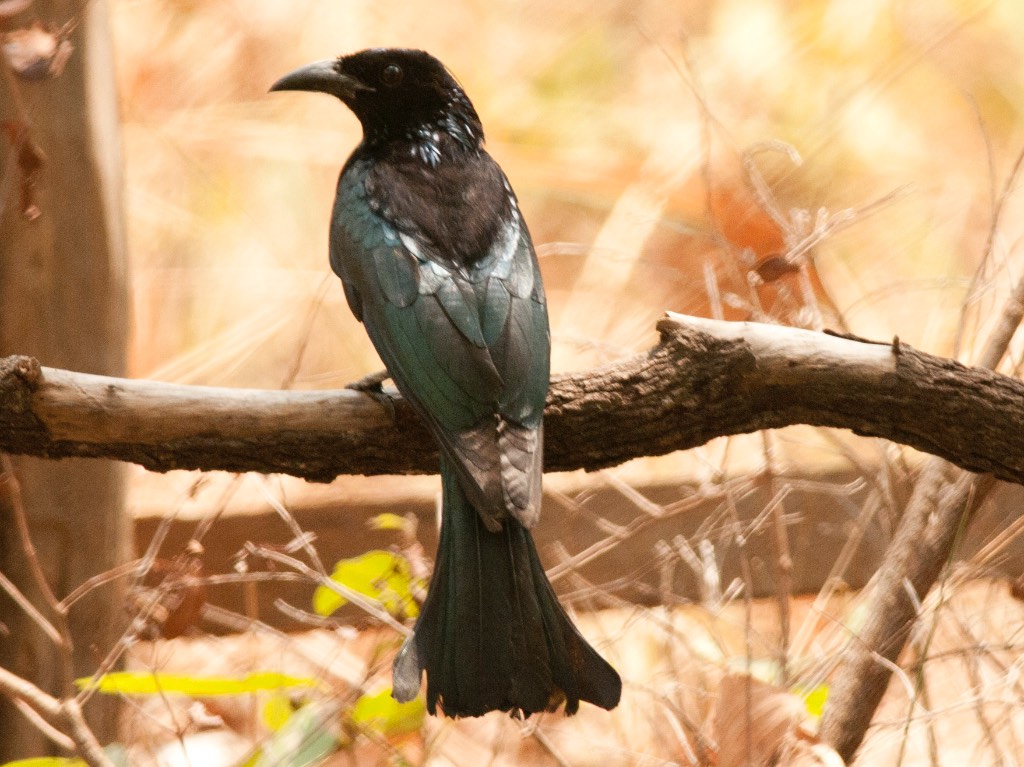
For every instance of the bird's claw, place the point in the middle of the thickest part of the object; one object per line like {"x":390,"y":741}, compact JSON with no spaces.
{"x":372,"y":386}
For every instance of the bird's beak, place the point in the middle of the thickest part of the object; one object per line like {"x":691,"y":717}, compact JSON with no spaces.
{"x":320,"y":76}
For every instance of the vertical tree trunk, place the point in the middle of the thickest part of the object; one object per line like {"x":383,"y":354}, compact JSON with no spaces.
{"x":63,"y":299}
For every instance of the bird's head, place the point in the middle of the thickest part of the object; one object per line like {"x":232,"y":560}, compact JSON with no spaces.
{"x":397,"y":94}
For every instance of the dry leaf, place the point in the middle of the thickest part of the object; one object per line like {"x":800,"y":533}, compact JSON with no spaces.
{"x":775,"y":267}
{"x":758,"y":725}
{"x":172,"y":600}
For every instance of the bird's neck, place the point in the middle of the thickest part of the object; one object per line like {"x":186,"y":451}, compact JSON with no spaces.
{"x":452,"y":135}
{"x":427,"y":146}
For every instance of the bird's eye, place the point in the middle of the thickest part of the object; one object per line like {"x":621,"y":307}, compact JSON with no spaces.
{"x":391,"y":75}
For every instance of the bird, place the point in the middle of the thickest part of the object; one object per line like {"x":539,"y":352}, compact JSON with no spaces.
{"x":437,"y":263}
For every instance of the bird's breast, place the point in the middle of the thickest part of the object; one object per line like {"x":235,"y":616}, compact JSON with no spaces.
{"x":456,"y":210}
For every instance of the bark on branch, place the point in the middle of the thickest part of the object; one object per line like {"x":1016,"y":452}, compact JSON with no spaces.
{"x":704,"y":379}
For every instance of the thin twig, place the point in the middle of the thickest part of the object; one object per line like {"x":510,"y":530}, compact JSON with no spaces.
{"x":783,"y":556}
{"x":30,"y":609}
{"x":299,"y":536}
{"x":64,"y":716}
{"x":120,"y":571}
{"x":24,"y":537}
{"x":360,"y":600}
{"x":998,"y":206}
{"x":39,"y":722}
{"x":59,"y":616}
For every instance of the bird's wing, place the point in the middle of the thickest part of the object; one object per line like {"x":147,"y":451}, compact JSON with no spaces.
{"x":468,"y":349}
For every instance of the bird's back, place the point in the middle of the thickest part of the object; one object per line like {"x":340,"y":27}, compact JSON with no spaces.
{"x":440,"y":268}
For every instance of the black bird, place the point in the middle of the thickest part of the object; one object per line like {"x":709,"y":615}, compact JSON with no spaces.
{"x":437,"y":263}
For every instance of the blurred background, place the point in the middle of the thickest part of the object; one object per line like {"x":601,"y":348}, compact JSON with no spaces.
{"x":826,"y":164}
{"x":882,"y":132}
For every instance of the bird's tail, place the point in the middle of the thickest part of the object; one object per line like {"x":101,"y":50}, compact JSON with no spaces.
{"x":491,"y":634}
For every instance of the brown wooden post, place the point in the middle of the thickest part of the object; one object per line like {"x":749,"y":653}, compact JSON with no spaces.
{"x":64,"y":299}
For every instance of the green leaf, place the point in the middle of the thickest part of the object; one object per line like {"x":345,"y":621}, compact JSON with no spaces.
{"x":814,"y":699}
{"x":385,"y":715}
{"x":309,"y":735}
{"x":151,"y":683}
{"x":380,"y":575}
{"x":277,"y":711}
{"x":388,"y":521}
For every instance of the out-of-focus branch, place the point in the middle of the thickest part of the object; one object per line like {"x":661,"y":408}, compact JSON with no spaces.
{"x":63,"y":715}
{"x":60,"y":720}
{"x":919,"y":551}
{"x":704,"y":379}
{"x":55,"y":626}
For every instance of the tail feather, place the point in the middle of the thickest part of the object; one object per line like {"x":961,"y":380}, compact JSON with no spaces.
{"x":492,"y":635}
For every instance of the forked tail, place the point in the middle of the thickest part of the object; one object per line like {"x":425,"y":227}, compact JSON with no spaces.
{"x":492,"y":635}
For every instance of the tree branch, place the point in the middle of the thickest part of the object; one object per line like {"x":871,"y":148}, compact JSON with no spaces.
{"x":704,"y":379}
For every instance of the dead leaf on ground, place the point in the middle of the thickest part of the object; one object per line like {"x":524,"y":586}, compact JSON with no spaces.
{"x":758,"y":725}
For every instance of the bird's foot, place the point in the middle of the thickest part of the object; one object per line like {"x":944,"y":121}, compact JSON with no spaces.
{"x":372,"y":385}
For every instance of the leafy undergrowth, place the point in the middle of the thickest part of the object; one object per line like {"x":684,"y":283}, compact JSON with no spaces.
{"x":702,"y":686}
